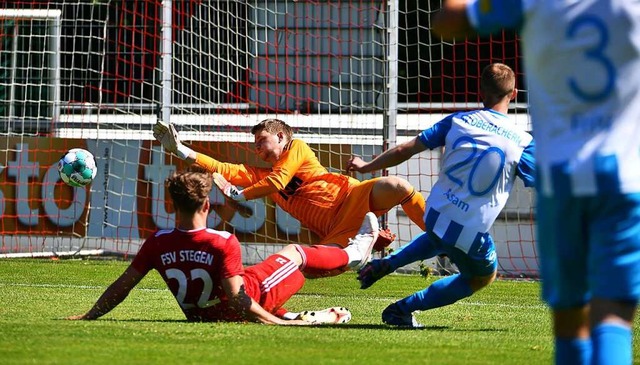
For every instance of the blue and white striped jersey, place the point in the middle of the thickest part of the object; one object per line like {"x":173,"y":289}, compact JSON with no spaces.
{"x":483,"y":152}
{"x":583,"y":78}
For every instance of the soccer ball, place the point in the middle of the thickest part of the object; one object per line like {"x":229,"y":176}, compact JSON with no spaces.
{"x":77,"y":167}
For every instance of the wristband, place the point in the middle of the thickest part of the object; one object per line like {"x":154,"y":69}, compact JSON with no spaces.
{"x":240,"y":197}
{"x":183,"y":151}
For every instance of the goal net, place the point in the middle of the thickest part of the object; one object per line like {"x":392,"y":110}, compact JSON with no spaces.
{"x":351,"y":78}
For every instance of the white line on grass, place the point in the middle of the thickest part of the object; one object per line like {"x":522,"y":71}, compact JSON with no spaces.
{"x":386,"y":299}
{"x":70,"y":286}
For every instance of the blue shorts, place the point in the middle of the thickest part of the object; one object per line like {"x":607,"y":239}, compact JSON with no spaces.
{"x":480,"y":261}
{"x":589,"y":247}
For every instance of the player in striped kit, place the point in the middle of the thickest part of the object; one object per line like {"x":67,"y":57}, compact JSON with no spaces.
{"x":582,"y":65}
{"x":203,"y":268}
{"x":483,"y":153}
{"x":329,"y":204}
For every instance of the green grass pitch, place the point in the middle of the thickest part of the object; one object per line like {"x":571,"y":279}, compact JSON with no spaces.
{"x":505,"y":323}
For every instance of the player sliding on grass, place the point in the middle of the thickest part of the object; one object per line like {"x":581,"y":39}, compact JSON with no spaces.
{"x":203,"y":267}
{"x":483,"y":154}
{"x":329,"y":204}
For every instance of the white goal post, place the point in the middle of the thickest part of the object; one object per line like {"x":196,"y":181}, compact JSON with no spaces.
{"x":22,"y":114}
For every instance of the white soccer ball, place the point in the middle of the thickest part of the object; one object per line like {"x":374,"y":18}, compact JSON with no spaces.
{"x":77,"y":167}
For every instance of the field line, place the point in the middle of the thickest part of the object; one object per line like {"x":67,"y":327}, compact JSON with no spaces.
{"x":72,"y":286}
{"x":309,"y":295}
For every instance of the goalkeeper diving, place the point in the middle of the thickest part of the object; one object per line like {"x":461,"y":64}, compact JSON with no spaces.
{"x":331,"y":205}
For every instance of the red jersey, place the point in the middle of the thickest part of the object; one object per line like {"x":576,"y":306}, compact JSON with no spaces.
{"x":193,"y":264}
{"x":298,"y":183}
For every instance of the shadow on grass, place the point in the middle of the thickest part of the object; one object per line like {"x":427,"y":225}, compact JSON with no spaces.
{"x":131,"y":320}
{"x":395,"y":328}
{"x":383,"y":327}
{"x":327,"y":326}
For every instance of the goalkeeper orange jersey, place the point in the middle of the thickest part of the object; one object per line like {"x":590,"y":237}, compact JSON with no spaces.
{"x":298,"y":183}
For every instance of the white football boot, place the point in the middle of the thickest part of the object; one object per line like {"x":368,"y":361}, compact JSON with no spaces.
{"x":333,"y":315}
{"x":361,"y":246}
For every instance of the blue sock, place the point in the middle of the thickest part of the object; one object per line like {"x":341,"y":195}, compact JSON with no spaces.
{"x":611,"y":344}
{"x":573,"y":351}
{"x":443,"y":292}
{"x":420,"y":248}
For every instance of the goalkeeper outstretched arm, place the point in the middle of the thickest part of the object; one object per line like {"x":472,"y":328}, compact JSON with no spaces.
{"x":166,"y":134}
{"x":243,"y":175}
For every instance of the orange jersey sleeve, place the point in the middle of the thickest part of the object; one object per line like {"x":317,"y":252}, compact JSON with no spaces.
{"x":237,"y":174}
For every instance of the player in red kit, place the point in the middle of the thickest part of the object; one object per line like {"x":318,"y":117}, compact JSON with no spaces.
{"x":203,"y":267}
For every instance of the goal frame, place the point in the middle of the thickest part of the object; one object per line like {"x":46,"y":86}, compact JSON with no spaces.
{"x":55,"y":16}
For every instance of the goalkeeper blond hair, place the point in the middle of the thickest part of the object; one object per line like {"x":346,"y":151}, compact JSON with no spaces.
{"x":273,"y":126}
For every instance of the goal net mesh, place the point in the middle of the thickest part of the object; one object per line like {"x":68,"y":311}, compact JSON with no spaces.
{"x":350,"y":77}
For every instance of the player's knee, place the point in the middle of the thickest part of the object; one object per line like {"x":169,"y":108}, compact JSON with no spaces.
{"x":616,"y":311}
{"x":396,"y":185}
{"x":389,"y":192}
{"x":571,"y":322}
{"x":479,"y":282}
{"x":292,"y":252}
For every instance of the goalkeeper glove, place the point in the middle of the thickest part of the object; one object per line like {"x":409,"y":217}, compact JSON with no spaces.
{"x":228,"y":189}
{"x":166,"y":134}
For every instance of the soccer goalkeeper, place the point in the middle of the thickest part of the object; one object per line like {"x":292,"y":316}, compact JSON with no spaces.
{"x":329,"y":204}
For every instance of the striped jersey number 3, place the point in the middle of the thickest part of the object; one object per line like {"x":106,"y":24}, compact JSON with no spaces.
{"x":207,"y":288}
{"x":475,"y":158}
{"x":596,"y":55}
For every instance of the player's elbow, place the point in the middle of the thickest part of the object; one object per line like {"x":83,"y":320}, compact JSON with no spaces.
{"x":241,"y":304}
{"x":277,"y":183}
{"x":406,"y":150}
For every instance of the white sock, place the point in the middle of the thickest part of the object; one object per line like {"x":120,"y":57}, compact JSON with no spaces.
{"x":353,"y":254}
{"x":290,"y":315}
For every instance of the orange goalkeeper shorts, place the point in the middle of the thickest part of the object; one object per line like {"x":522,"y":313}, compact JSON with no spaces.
{"x":351,"y":214}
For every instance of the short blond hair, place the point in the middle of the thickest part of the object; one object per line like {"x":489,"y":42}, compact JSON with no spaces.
{"x":273,"y":126}
{"x":497,"y":81}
